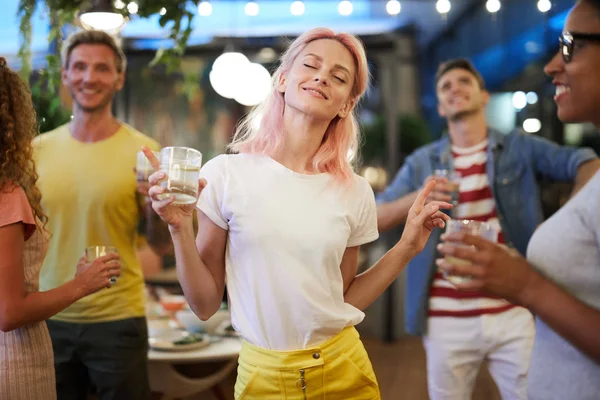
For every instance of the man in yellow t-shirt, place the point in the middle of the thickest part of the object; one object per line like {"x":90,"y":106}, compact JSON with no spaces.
{"x":89,"y":193}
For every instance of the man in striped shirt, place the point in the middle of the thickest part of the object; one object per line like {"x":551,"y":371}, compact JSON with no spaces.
{"x":497,"y":185}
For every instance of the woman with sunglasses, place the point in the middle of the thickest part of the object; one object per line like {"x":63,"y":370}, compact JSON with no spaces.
{"x":560,"y":279}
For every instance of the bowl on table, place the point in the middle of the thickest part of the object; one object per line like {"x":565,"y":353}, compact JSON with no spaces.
{"x":173,"y":303}
{"x":192,"y":323}
{"x":158,"y":327}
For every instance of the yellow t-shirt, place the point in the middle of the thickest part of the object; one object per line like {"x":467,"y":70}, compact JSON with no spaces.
{"x":89,"y":194}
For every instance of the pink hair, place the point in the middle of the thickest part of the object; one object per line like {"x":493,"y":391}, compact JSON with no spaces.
{"x":340,"y":143}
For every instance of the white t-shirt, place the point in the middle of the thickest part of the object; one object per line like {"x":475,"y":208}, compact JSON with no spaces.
{"x":287,"y":235}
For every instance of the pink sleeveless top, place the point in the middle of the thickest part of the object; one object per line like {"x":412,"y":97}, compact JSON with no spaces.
{"x":26,"y":358}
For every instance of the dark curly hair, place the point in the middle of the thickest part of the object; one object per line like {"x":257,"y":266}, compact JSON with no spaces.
{"x":18,"y":126}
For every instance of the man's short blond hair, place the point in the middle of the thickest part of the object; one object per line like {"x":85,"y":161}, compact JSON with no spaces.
{"x":92,"y":37}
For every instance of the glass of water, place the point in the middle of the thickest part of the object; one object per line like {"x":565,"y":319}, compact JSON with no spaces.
{"x":453,"y":178}
{"x":94,"y":252}
{"x":181,"y":166}
{"x":477,"y":228}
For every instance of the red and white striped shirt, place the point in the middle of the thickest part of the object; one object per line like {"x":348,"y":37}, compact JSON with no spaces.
{"x":475,"y":202}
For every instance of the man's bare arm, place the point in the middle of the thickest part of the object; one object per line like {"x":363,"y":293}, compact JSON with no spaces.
{"x":392,"y":214}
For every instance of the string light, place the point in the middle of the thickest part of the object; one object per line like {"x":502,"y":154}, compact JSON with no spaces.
{"x":297,"y":8}
{"x":345,"y":8}
{"x":544,"y":5}
{"x":393,"y":7}
{"x":132,"y":7}
{"x":443,"y":6}
{"x":205,"y":9}
{"x":251,"y":8}
{"x":493,"y":6}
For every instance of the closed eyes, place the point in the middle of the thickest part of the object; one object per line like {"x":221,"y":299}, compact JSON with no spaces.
{"x":337,"y":78}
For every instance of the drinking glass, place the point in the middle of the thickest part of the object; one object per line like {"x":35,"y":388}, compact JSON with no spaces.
{"x":477,"y":228}
{"x":453,"y":178}
{"x":94,"y":252}
{"x":181,"y":166}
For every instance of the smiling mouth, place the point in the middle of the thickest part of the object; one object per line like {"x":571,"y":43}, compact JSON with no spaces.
{"x":459,"y":100}
{"x":89,"y":91}
{"x":560,"y":89}
{"x":320,"y":93}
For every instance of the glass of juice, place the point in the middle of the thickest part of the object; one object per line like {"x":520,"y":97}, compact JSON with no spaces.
{"x":181,"y":166}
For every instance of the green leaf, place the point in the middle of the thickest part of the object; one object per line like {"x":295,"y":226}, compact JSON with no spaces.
{"x":164,"y":20}
{"x":158,"y":57}
{"x":177,"y":17}
{"x":54,"y":105}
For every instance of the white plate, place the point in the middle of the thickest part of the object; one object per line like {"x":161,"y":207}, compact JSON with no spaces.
{"x":166,"y":341}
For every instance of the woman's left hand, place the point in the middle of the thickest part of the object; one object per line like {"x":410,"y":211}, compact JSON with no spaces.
{"x":423,"y":219}
{"x":494,"y":268}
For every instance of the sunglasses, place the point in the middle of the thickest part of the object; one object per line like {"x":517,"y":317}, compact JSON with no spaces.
{"x":567,"y":42}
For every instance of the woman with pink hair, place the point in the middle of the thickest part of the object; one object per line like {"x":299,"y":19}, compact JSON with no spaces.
{"x":282,"y":222}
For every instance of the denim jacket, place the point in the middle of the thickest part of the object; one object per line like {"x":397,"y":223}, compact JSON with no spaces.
{"x":513,"y":163}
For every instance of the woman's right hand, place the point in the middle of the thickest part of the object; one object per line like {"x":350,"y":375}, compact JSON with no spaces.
{"x":96,"y":275}
{"x":173,"y":214}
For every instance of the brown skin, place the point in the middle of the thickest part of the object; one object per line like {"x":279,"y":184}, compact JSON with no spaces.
{"x":581,"y":79}
{"x":580,"y":76}
{"x":504,"y":272}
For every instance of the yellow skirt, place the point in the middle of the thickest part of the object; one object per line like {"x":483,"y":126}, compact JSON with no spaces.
{"x":338,"y":369}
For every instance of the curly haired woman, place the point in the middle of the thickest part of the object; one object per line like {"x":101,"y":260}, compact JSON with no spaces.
{"x":26,"y":358}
